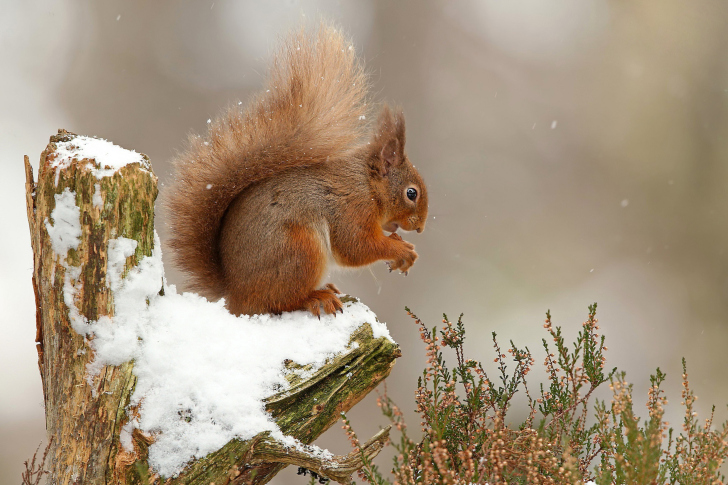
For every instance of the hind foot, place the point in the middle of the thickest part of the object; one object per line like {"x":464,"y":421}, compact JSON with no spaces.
{"x":325,"y":299}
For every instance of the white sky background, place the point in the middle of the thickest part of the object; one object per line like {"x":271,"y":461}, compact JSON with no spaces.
{"x":33,"y":68}
{"x":522,"y":213}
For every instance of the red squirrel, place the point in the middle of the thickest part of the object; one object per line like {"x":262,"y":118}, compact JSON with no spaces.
{"x":277,"y":192}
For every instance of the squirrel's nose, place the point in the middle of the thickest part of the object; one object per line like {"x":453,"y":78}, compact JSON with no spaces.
{"x":421,"y":228}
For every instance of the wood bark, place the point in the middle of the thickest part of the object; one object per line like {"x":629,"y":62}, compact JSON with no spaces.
{"x":84,"y":415}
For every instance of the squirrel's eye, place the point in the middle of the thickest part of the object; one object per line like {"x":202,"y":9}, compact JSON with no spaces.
{"x":411,"y":193}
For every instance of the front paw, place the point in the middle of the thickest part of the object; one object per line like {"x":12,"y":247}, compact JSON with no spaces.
{"x":405,"y":259}
{"x":402,"y":242}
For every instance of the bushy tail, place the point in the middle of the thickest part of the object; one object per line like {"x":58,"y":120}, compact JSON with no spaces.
{"x":312,"y":110}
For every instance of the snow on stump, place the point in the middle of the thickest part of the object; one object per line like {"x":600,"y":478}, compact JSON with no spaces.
{"x":145,"y":385}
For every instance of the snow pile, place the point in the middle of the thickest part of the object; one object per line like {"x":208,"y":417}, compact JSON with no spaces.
{"x":202,"y":373}
{"x":65,"y":232}
{"x":108,"y":157}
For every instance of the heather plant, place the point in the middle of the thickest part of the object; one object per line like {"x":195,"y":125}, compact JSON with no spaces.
{"x":35,"y":472}
{"x":637,"y":453}
{"x":565,"y":438}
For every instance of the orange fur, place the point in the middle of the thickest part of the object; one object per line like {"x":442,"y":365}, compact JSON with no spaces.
{"x":258,"y":208}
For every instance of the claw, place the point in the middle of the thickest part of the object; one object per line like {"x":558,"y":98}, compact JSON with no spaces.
{"x":406,"y":273}
{"x":315,"y":309}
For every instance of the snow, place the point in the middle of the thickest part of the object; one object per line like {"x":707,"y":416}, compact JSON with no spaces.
{"x":71,"y":285}
{"x":119,"y":249}
{"x":202,"y":373}
{"x":125,"y":437}
{"x":97,"y":200}
{"x":109,"y":158}
{"x":65,"y":232}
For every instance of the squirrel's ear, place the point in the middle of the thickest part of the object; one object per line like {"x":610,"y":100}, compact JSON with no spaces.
{"x":389,"y":156}
{"x":390,"y":139}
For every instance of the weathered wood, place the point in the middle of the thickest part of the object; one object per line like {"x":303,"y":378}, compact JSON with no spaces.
{"x":339,"y":469}
{"x":34,"y":238}
{"x":84,"y":415}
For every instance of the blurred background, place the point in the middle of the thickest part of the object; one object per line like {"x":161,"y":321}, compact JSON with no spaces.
{"x":575,"y":151}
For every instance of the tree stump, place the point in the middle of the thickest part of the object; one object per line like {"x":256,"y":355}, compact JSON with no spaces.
{"x":85,"y":413}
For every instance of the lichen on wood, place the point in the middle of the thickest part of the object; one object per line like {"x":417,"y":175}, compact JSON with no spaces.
{"x":85,"y":412}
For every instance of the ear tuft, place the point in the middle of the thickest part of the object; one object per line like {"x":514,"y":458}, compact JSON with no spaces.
{"x":386,"y":119}
{"x":399,"y":127}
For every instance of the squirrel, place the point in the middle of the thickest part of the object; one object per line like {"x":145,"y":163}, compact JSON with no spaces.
{"x":296,"y":182}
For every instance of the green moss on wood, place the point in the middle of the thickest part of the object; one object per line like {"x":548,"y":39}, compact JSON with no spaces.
{"x":87,"y":420}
